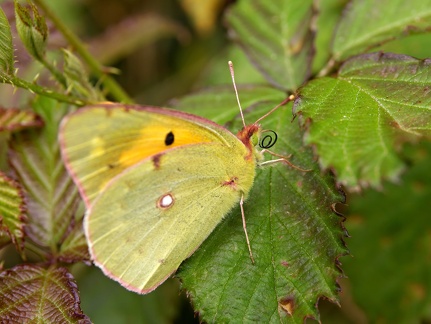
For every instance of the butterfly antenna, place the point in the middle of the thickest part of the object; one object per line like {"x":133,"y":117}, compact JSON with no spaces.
{"x":285,"y":101}
{"x":236,"y":90}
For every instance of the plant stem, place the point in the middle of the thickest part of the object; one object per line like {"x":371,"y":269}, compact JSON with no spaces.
{"x":34,"y":88}
{"x":56,"y":73}
{"x":110,"y":84}
{"x":327,"y":68}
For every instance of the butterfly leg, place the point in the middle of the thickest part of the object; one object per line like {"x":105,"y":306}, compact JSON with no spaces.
{"x":283,"y":159}
{"x":244,"y":226}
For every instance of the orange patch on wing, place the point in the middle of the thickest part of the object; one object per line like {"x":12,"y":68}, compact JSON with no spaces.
{"x":151,"y":141}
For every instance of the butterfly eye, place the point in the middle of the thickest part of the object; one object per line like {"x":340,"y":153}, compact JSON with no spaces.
{"x":169,"y":139}
{"x":165,"y":201}
{"x":268,"y":140}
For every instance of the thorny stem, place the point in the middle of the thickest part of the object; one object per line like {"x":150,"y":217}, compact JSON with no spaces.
{"x":32,"y":87}
{"x":110,"y":84}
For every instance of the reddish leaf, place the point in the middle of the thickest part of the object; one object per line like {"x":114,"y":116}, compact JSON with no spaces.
{"x":17,"y":119}
{"x":52,"y":197}
{"x":32,"y":294}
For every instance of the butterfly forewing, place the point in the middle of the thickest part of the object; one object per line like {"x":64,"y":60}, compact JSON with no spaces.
{"x":100,"y":142}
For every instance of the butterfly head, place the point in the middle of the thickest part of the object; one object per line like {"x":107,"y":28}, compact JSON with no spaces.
{"x":249,"y":136}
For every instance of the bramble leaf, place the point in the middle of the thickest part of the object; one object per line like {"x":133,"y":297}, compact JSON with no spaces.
{"x":295,"y":236}
{"x":360,"y":117}
{"x":276,"y":37}
{"x":32,"y":294}
{"x":368,"y":23}
{"x":52,"y":197}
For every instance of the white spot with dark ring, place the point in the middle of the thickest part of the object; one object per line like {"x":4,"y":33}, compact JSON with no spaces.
{"x":166,"y":201}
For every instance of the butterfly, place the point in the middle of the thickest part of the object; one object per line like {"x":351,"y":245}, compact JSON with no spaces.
{"x":156,"y":182}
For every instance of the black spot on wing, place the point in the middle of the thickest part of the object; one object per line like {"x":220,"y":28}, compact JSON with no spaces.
{"x":169,"y":139}
{"x":112,"y":165}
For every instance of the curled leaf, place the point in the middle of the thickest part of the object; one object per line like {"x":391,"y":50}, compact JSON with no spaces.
{"x":32,"y":29}
{"x":77,"y":78}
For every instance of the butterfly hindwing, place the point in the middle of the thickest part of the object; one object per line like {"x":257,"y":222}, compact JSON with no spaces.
{"x":139,"y":243}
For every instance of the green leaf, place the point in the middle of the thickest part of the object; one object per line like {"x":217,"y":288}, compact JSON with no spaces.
{"x":367,"y":23}
{"x":219,"y":104}
{"x":17,"y":119}
{"x":32,"y":29}
{"x":414,"y":45}
{"x":276,"y":37}
{"x":391,"y":244}
{"x":359,"y":117}
{"x":217,"y":72}
{"x":295,"y":236}
{"x":52,"y":197}
{"x":13,"y":214}
{"x":327,"y":19}
{"x":32,"y":294}
{"x":6,"y":46}
{"x":77,"y":79}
